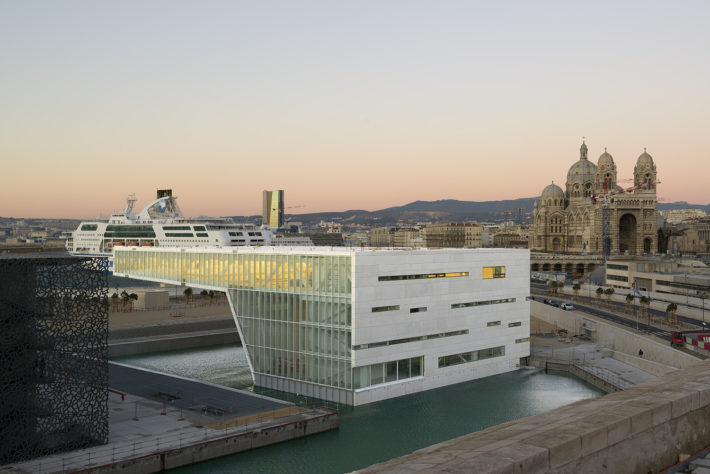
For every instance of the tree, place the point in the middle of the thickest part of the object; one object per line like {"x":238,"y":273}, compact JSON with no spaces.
{"x":114,"y":301}
{"x":203,"y":296}
{"x":600,"y":292}
{"x":553,"y":286}
{"x":609,"y":292}
{"x":211,"y":295}
{"x":560,"y":286}
{"x":645,"y":303}
{"x":188,"y":294}
{"x":671,"y":314}
{"x":576,"y":288}
{"x":125,"y":299}
{"x":629,"y":302}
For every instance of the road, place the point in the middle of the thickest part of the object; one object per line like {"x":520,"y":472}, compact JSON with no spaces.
{"x":590,"y":306}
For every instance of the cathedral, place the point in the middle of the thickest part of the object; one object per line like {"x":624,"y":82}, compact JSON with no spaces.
{"x":593,"y":213}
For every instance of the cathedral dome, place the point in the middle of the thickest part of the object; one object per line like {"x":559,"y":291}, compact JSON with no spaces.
{"x":582,"y":171}
{"x":645,"y":160}
{"x":552,"y":191}
{"x":605,"y":160}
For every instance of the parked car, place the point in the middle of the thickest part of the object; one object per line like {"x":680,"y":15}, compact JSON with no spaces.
{"x":567,"y":307}
{"x":554,"y":304}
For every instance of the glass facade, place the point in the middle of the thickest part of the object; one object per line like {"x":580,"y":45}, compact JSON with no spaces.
{"x":294,"y":311}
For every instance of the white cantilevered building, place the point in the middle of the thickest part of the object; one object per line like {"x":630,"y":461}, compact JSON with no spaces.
{"x":360,"y":325}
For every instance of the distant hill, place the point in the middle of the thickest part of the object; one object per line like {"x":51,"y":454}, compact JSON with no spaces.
{"x":441,"y":211}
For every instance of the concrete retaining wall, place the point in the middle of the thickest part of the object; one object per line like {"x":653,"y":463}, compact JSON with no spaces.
{"x":613,"y":336}
{"x":639,"y":430}
{"x":194,"y":453}
{"x":172,"y":342}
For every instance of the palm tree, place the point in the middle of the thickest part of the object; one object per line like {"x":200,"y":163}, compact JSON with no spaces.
{"x":671,"y":314}
{"x":600,"y":292}
{"x":125,"y":298}
{"x":609,"y":292}
{"x":203,"y":296}
{"x":188,"y":294}
{"x":560,"y":286}
{"x":211,"y":295}
{"x":629,"y":302}
{"x":114,"y":301}
{"x":645,"y":302}
{"x":553,"y":287}
{"x":131,"y":298}
{"x":576,"y":288}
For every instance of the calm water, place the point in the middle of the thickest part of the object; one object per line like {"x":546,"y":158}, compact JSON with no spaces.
{"x":379,"y":431}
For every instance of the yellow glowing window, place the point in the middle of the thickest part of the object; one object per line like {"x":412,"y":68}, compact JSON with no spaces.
{"x":493,"y":272}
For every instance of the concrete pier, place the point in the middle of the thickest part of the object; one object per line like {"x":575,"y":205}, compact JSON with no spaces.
{"x":172,"y":421}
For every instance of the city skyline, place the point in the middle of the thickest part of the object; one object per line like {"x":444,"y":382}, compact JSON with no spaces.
{"x":342,"y":106}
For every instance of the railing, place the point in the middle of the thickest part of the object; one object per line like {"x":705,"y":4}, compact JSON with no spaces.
{"x":598,"y":376}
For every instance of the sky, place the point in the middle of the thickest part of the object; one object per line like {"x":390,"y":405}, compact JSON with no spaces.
{"x":344,"y":105}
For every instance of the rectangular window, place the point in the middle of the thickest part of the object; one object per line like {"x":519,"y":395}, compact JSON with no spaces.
{"x":178,"y":234}
{"x":377,"y":374}
{"x":199,"y":228}
{"x":202,"y":234}
{"x":493,"y":272}
{"x":617,"y":278}
{"x":418,"y":310}
{"x":176,"y":227}
{"x":482,"y":303}
{"x":89,"y":227}
{"x":514,"y":325}
{"x":522,"y":339}
{"x":614,"y":266}
{"x":493,"y":323}
{"x":371,"y":345}
{"x":379,"y":309}
{"x":421,"y":276}
{"x":464,"y":357}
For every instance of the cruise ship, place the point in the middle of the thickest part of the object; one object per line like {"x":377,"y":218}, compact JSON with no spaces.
{"x":161,"y":224}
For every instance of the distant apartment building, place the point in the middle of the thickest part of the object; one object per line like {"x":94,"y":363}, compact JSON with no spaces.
{"x":273,"y":209}
{"x":451,"y":235}
{"x":508,"y":240}
{"x":487,"y":234}
{"x":692,"y":238}
{"x":381,"y":237}
{"x":408,"y":238}
{"x":676,"y":216}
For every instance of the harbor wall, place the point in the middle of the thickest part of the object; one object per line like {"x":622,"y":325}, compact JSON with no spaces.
{"x":210,"y":449}
{"x":172,"y":342}
{"x":638,"y":430}
{"x":616,"y":338}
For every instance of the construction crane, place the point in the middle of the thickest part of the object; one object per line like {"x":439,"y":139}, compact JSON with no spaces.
{"x":604,"y":199}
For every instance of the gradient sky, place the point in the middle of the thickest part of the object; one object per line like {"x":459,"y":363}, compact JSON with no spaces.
{"x":344,"y":105}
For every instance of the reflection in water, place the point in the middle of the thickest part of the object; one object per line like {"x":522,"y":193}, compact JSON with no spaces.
{"x":379,"y":431}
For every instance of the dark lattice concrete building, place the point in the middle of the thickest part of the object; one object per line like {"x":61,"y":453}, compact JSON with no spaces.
{"x":53,"y":355}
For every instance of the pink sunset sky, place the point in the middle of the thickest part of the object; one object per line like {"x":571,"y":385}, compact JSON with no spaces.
{"x":344,"y":105}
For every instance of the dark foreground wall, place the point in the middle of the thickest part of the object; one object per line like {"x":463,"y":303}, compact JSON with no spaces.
{"x":53,"y":355}
{"x":639,"y":430}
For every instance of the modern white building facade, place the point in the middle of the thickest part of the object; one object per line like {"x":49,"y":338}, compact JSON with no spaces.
{"x":360,"y":325}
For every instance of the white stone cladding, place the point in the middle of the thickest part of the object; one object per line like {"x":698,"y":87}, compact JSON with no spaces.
{"x":437,"y":295}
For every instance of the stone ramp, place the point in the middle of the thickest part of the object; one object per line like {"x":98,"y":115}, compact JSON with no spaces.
{"x":210,"y":400}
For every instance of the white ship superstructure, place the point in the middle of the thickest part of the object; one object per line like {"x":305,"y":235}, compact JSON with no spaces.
{"x":161,"y":224}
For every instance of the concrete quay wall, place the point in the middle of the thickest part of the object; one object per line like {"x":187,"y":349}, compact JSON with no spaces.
{"x":172,"y":342}
{"x":224,"y":446}
{"x":639,"y":430}
{"x":617,"y":338}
